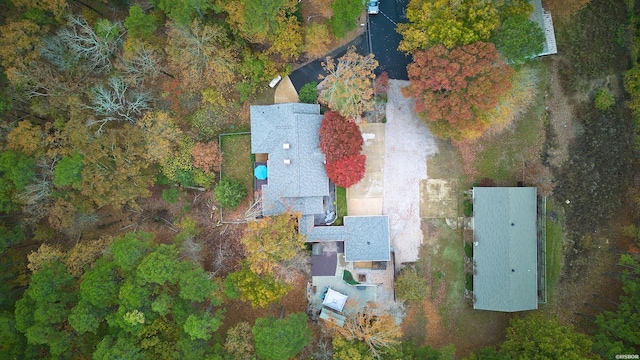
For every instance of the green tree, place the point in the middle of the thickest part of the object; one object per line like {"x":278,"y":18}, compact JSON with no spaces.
{"x":617,"y":331}
{"x":183,"y":11}
{"x":535,"y":337}
{"x":201,"y":326}
{"x":281,"y":339}
{"x":17,"y":171}
{"x":229,"y":192}
{"x":309,"y":93}
{"x":68,"y":171}
{"x":345,"y":13}
{"x":447,"y":22}
{"x":139,"y":24}
{"x":42,"y":312}
{"x":348,"y":86}
{"x":10,"y":236}
{"x":519,"y":39}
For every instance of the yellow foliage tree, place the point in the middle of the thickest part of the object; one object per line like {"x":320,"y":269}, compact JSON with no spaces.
{"x":271,"y":240}
{"x":26,"y":138}
{"x":201,"y":54}
{"x":20,"y":45}
{"x":288,"y":39}
{"x":448,"y":22}
{"x":160,"y":136}
{"x":317,"y":40}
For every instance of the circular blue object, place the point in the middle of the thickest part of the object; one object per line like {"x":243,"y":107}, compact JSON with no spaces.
{"x":260,"y":172}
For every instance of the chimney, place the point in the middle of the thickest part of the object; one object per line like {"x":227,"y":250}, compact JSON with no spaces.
{"x":285,"y":146}
{"x":287,"y":161}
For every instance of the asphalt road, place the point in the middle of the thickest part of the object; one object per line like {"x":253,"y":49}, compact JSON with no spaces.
{"x":381,"y":39}
{"x":311,"y":71}
{"x":384,"y":39}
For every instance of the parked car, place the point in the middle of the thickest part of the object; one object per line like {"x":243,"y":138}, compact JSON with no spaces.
{"x":373,"y":7}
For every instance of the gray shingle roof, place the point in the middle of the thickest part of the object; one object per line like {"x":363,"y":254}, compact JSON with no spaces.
{"x":505,"y":252}
{"x":297,"y":125}
{"x":368,"y":238}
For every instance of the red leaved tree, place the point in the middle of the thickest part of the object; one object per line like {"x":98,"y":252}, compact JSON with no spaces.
{"x":347,"y":171}
{"x":339,"y":137}
{"x":453,"y":87}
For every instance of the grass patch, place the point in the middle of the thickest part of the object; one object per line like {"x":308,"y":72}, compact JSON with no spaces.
{"x":170,"y":195}
{"x":555,"y":241}
{"x":502,"y":156}
{"x":348,"y":278}
{"x":237,"y":161}
{"x":446,"y":164}
{"x":341,"y":204}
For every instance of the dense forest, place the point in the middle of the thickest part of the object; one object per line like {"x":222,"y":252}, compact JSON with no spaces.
{"x":113,"y":243}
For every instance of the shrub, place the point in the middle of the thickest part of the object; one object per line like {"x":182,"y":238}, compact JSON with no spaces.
{"x":229,"y":193}
{"x":604,"y":100}
{"x":468,"y":250}
{"x":170,"y":195}
{"x":339,"y":137}
{"x":468,"y":281}
{"x":411,"y":285}
{"x":347,"y":171}
{"x":468,"y":207}
{"x":309,"y":93}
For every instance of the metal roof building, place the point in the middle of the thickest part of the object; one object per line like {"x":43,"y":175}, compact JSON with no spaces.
{"x":505,"y":251}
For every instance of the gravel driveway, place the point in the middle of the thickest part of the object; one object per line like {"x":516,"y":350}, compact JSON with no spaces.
{"x":408,"y":144}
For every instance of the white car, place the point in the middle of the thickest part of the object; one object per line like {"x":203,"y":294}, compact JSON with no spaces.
{"x":373,"y":7}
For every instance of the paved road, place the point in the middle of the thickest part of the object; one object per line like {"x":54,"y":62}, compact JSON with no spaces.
{"x":384,"y":39}
{"x":310,"y":72}
{"x":380,"y":39}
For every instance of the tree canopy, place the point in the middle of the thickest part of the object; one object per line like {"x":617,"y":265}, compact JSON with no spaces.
{"x":138,"y":298}
{"x":281,"y":339}
{"x":446,"y":22}
{"x":535,"y":337}
{"x":348,"y":86}
{"x":454,"y":87}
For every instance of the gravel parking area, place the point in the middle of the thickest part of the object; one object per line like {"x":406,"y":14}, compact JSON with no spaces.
{"x":408,"y":144}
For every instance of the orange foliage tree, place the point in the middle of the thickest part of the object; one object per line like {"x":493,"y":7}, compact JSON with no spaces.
{"x":454,"y":87}
{"x":207,"y":156}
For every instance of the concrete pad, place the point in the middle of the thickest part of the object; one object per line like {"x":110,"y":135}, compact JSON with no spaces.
{"x":364,"y":207}
{"x":365,"y":197}
{"x":408,"y":144}
{"x":285,"y":92}
{"x":438,"y":198}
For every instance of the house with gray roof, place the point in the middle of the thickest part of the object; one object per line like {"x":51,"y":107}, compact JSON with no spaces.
{"x":505,"y":251}
{"x":287,"y":136}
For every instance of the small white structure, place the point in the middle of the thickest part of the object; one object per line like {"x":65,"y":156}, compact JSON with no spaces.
{"x":334,"y":300}
{"x":543,"y":18}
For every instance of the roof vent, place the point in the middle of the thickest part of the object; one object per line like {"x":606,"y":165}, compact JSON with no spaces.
{"x":285,"y":146}
{"x":287,"y":161}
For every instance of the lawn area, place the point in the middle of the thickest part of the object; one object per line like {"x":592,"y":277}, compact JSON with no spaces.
{"x":555,"y":241}
{"x":341,"y":204}
{"x":237,"y":160}
{"x":449,"y":318}
{"x":501,"y":157}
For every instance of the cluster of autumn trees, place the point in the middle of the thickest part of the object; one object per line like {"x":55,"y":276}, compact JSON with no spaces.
{"x":463,"y":58}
